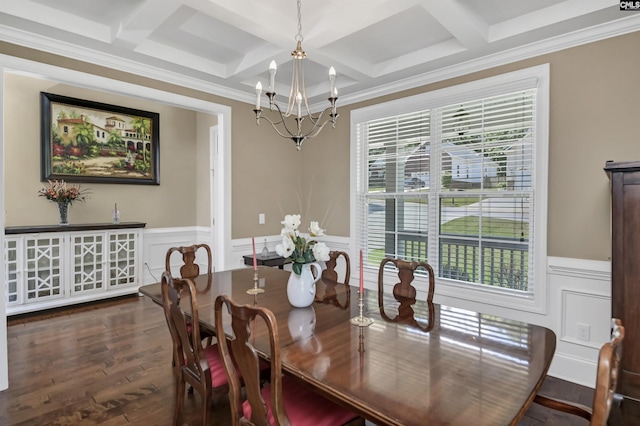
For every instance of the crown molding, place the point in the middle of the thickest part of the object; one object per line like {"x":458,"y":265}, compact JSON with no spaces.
{"x":577,"y":38}
{"x":566,"y":41}
{"x":68,"y":50}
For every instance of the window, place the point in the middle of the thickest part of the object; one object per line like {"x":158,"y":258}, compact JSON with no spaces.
{"x":457,"y":178}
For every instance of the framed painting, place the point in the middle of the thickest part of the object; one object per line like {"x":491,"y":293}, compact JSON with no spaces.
{"x":84,"y":141}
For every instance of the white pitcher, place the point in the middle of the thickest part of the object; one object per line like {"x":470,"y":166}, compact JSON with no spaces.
{"x":301,"y":289}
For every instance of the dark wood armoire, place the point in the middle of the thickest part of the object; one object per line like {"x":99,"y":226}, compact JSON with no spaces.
{"x":625,"y":267}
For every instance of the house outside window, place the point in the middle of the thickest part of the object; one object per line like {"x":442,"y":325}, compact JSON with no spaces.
{"x":458,"y":178}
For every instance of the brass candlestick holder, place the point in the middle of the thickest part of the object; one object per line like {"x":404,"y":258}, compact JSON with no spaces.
{"x":360,"y":320}
{"x":255,"y":289}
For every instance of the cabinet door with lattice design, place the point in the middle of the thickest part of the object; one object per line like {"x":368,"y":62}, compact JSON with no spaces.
{"x":13,"y":269}
{"x":123,"y":265}
{"x":43,"y":272}
{"x":87,"y":263}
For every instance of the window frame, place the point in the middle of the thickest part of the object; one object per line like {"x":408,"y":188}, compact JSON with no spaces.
{"x":534,"y":77}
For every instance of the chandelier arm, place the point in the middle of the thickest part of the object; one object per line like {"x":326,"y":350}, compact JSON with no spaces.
{"x":318,"y":127}
{"x":298,"y":135}
{"x":316,"y":118}
{"x":282,"y":120}
{"x":274,"y":124}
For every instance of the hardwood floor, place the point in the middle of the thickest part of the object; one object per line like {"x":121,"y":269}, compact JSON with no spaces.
{"x":108,"y":363}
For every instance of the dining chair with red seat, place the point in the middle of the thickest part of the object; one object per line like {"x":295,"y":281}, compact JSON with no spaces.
{"x":604,"y":397}
{"x":190,"y":269}
{"x":284,"y":401}
{"x":195,"y":365}
{"x":333,"y":280}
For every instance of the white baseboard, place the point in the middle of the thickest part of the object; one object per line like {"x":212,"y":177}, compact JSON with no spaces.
{"x":574,"y":369}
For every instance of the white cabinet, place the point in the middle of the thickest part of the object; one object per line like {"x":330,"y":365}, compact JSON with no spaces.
{"x":64,"y":265}
{"x":87,"y":263}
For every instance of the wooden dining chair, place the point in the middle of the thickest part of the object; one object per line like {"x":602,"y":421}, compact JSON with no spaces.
{"x":406,"y":273}
{"x":189,"y":268}
{"x":606,"y":383}
{"x":284,"y":401}
{"x":330,"y":272}
{"x":334,"y":282}
{"x":199,"y":367}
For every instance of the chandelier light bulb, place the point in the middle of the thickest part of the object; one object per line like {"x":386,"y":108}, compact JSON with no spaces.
{"x":299,"y":102}
{"x":332,"y":80}
{"x":272,"y":76}
{"x":258,"y":92}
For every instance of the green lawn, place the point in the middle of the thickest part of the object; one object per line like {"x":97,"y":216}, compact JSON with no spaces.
{"x":491,"y":227}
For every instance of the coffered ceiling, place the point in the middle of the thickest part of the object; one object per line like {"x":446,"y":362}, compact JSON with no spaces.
{"x":376,"y":46}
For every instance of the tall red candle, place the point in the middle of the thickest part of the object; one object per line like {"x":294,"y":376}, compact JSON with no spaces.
{"x":361,"y":275}
{"x":255,"y":261}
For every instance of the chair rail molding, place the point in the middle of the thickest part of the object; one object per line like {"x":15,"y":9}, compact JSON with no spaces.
{"x":592,"y":269}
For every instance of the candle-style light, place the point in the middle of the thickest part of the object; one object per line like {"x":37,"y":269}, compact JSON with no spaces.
{"x":258,"y":92}
{"x":299,"y":128}
{"x":332,"y":80}
{"x":272,"y":76}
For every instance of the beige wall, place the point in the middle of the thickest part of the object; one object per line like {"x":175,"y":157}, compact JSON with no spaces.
{"x":327,"y":174}
{"x":266,"y":175}
{"x":142,"y":203}
{"x":265,"y":169}
{"x":594,"y":110}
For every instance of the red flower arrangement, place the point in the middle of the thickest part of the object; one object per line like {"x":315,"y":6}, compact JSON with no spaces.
{"x":59,"y":192}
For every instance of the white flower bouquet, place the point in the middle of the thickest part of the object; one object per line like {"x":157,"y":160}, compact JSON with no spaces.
{"x":298,"y":249}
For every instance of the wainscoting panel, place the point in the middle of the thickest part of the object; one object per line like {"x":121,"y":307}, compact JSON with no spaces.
{"x":579,"y":325}
{"x":580,"y":314}
{"x":156,"y":243}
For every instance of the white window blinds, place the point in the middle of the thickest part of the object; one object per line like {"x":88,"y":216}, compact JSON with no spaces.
{"x":452,"y":182}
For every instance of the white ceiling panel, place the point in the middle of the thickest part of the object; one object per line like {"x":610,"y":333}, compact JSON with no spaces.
{"x":376,"y":46}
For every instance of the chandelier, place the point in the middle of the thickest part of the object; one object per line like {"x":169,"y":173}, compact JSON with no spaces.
{"x":295,"y":128}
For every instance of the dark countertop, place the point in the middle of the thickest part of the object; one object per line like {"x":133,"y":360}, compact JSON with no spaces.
{"x":12,"y":230}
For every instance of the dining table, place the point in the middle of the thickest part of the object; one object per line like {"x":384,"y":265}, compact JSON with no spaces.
{"x":417,"y":363}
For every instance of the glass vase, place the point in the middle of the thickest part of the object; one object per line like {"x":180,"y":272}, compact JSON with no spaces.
{"x":63,"y":209}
